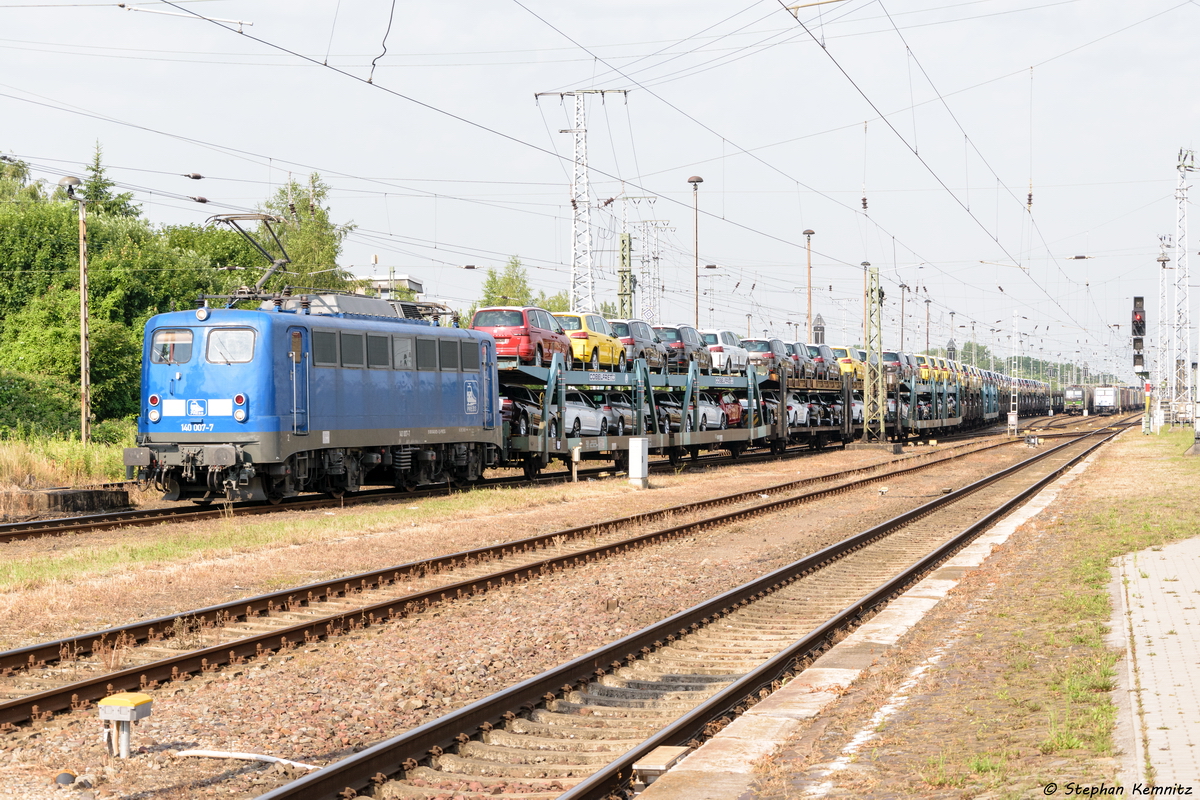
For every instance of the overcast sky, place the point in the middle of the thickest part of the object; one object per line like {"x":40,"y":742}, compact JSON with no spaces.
{"x":445,"y":158}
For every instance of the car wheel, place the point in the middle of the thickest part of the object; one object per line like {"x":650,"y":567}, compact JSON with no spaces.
{"x":724,"y":422}
{"x":704,"y":423}
{"x":595,"y":363}
{"x":575,"y":429}
{"x":687,"y":423}
{"x":604,"y":427}
{"x":621,"y":426}
{"x":622,"y":364}
{"x":522,"y":426}
{"x":553,"y":430}
{"x":539,"y":360}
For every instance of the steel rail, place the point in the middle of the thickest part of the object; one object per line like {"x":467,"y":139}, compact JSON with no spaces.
{"x":42,"y":653}
{"x":16,"y":531}
{"x":80,"y":694}
{"x":405,"y":751}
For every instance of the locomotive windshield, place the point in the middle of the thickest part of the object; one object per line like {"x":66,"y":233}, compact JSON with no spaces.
{"x":230,"y":345}
{"x":171,"y":346}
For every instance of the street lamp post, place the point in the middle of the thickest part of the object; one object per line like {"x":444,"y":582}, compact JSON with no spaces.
{"x":85,"y":402}
{"x":695,"y":181}
{"x":808,"y":234}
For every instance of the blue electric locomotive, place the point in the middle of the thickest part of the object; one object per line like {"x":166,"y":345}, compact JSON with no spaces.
{"x":322,"y":393}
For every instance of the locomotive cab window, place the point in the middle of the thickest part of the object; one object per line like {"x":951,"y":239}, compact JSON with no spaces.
{"x":230,"y":345}
{"x":448,"y":353}
{"x":427,"y":354}
{"x":325,"y":348}
{"x":171,"y":346}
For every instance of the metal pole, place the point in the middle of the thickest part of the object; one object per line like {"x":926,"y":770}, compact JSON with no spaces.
{"x":865,"y":266}
{"x":903,"y":292}
{"x":808,"y":234}
{"x":85,"y":401}
{"x":695,"y":181}
{"x":927,"y":302}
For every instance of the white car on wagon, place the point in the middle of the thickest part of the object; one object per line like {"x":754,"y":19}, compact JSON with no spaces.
{"x":728,"y":355}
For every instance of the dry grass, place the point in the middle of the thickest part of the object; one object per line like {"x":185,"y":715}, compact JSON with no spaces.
{"x":49,"y":462}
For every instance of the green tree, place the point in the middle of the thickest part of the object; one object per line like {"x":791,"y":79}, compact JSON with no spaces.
{"x":97,"y":189}
{"x":312,"y":240}
{"x":43,"y":339}
{"x":559,"y":301}
{"x":506,"y":287}
{"x":15,"y":183}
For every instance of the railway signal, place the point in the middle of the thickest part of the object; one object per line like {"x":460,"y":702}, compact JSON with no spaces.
{"x":1138,"y":331}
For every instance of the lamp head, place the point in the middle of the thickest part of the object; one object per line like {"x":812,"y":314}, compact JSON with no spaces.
{"x":69,"y":182}
{"x":809,"y":232}
{"x":695,"y":179}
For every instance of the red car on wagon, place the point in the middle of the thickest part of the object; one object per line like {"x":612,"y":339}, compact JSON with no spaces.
{"x":529,"y":334}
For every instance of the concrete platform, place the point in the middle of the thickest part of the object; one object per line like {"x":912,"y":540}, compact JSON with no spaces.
{"x":1156,"y":606}
{"x":723,"y":767}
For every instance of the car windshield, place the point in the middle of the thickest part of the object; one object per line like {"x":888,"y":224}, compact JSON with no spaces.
{"x":711,"y":338}
{"x":498,"y":319}
{"x":570,"y":323}
{"x":619,"y":328}
{"x":756,"y":347}
{"x":668,"y":334}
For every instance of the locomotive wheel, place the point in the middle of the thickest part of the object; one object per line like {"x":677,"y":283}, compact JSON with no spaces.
{"x":735,"y":451}
{"x":778,"y":446}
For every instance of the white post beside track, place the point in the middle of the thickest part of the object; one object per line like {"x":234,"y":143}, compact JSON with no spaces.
{"x":639,"y":463}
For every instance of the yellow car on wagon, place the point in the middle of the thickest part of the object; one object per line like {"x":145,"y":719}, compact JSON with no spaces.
{"x":592,"y":342}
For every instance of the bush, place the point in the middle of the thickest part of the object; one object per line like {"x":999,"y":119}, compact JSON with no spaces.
{"x":32,"y":405}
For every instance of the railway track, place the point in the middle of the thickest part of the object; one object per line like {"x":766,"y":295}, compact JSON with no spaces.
{"x":575,"y":731}
{"x":40,"y":679}
{"x":15,"y":531}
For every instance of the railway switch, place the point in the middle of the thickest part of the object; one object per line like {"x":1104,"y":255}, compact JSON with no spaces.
{"x":118,"y":712}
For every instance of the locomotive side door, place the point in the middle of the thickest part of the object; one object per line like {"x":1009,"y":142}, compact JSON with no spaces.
{"x":297,"y":356}
{"x":489,"y":386}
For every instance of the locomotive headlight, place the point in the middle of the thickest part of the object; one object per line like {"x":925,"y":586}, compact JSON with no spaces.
{"x":154,"y":415}
{"x":202,"y":313}
{"x":238,"y":414}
